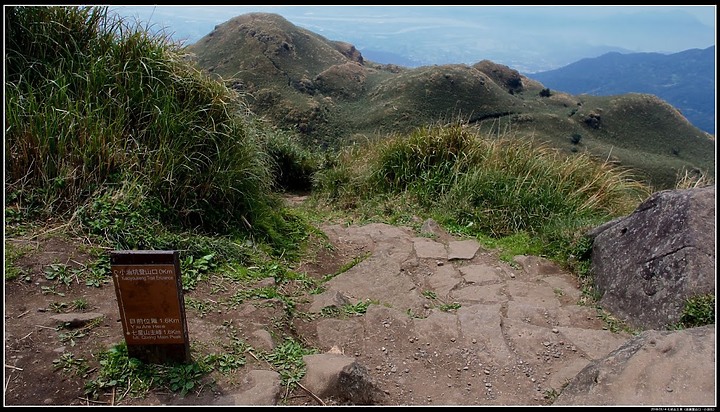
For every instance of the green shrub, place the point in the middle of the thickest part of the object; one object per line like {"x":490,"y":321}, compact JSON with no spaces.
{"x":93,"y":103}
{"x":698,"y":311}
{"x":293,"y":166}
{"x":484,"y":186}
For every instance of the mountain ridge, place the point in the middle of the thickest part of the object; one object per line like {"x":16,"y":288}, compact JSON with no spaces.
{"x":327,"y":92}
{"x":685,"y":79}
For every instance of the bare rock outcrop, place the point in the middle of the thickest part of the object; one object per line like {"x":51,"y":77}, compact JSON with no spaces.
{"x":649,"y":263}
{"x":349,"y":51}
{"x":654,"y":368}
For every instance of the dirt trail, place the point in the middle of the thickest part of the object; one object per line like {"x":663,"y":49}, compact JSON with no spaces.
{"x":448,"y":323}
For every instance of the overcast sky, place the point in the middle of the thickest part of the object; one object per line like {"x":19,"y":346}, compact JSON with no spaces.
{"x":477,"y":32}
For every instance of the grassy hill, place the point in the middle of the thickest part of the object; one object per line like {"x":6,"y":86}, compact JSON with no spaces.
{"x":685,"y":79}
{"x":327,"y":92}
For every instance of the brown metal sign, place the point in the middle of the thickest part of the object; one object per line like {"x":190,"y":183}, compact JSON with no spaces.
{"x":148,"y":286}
{"x":149,"y":305}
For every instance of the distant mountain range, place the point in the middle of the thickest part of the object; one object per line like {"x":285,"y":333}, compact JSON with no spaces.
{"x":686,"y":80}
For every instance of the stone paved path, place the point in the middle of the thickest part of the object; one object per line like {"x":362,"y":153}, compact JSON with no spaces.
{"x":517,"y":337}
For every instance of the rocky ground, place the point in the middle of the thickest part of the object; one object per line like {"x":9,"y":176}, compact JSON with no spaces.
{"x":448,"y":323}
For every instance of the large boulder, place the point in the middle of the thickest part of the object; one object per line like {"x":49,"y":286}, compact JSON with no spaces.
{"x":654,"y":368}
{"x":646,"y":265}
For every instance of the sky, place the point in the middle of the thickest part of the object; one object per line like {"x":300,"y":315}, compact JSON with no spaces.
{"x":529,"y":38}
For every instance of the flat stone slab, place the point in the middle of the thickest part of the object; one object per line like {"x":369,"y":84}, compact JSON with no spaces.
{"x":481,"y":274}
{"x":429,"y":249}
{"x":594,"y":343}
{"x":480,"y":294}
{"x":378,"y":278}
{"x":444,"y":280}
{"x":481,"y":325}
{"x":462,"y":249}
{"x":340,"y":332}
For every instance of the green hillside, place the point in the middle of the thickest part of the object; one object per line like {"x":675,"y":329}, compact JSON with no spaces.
{"x":303,"y":82}
{"x":685,"y":79}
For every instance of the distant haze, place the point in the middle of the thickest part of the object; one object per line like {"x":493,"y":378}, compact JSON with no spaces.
{"x":527,"y":38}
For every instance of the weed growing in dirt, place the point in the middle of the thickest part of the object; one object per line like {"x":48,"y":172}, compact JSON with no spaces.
{"x":97,"y":272}
{"x":122,"y":374}
{"x":349,"y":309}
{"x":60,"y":272}
{"x":184,"y":377}
{"x":613,"y":324}
{"x":12,"y":254}
{"x":72,"y":336}
{"x":60,"y":307}
{"x":443,"y":306}
{"x":195,"y":269}
{"x":287,"y":359}
{"x":69,"y":335}
{"x":72,"y":365}
{"x":79,"y":304}
{"x":50,"y":290}
{"x":698,"y":311}
{"x":551,"y":394}
{"x":202,"y":307}
{"x":227,"y":362}
{"x":344,"y":268}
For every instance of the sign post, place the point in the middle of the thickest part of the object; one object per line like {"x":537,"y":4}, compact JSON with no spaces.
{"x":148,"y":286}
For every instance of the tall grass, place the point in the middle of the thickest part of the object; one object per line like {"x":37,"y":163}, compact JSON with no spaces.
{"x":489,"y":186}
{"x":93,"y":102}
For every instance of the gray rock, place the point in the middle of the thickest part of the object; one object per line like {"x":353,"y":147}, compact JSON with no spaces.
{"x":328,"y":298}
{"x":75,"y":320}
{"x":462,"y":249}
{"x":262,"y":339}
{"x":432,"y":228}
{"x":339,"y":377}
{"x":429,"y":249}
{"x":648,"y":264}
{"x":481,"y":274}
{"x":654,"y":368}
{"x":259,"y":387}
